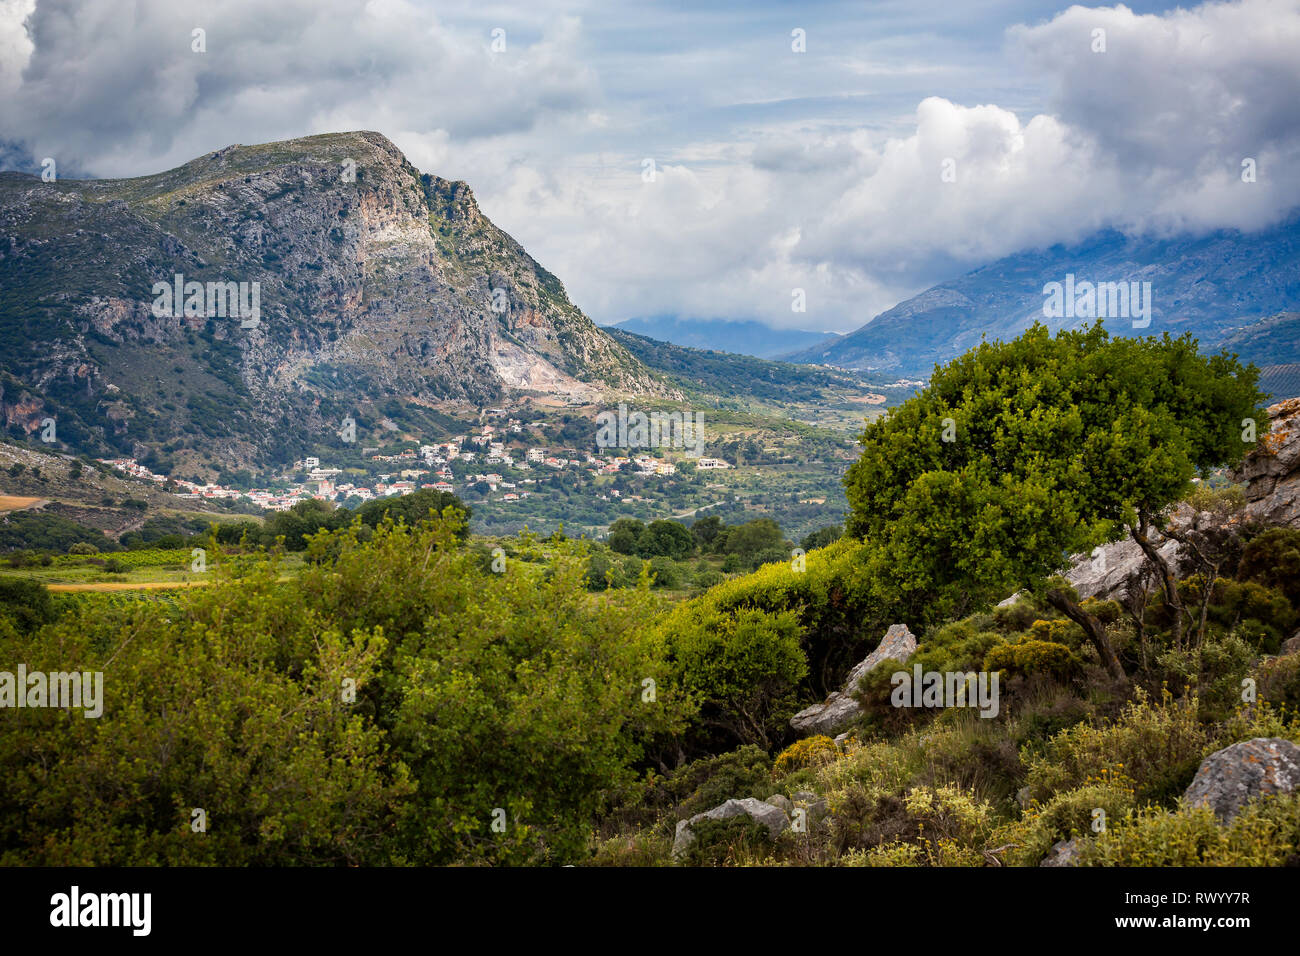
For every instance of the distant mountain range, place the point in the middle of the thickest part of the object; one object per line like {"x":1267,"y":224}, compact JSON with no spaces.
{"x":746,"y":337}
{"x":237,"y":309}
{"x":1228,"y":288}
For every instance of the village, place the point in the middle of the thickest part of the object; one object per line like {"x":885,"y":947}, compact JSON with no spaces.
{"x":444,"y":466}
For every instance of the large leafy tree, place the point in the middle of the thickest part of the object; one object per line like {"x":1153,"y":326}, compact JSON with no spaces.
{"x":1021,"y":453}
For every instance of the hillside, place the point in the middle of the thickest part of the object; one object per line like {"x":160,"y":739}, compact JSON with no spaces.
{"x":1212,"y":286}
{"x":742,"y":381}
{"x":741,"y":337}
{"x":368,"y":289}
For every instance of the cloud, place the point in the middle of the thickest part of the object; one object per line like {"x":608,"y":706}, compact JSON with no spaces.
{"x":110,"y":89}
{"x":858,"y":171}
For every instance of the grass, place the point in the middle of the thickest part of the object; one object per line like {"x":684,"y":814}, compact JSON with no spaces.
{"x":18,"y":502}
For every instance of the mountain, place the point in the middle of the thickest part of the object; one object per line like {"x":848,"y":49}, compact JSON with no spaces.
{"x":331,"y":279}
{"x":741,"y":337}
{"x":1212,"y":286}
{"x":714,"y":375}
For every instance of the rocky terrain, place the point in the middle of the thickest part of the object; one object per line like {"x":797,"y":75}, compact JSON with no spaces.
{"x":379,"y":289}
{"x":1270,"y":477}
{"x":1229,"y":289}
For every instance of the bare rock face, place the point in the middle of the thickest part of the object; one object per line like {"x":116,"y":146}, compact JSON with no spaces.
{"x":1271,"y":473}
{"x":375,"y":284}
{"x":1232,"y":777}
{"x":840,"y":709}
{"x":773,"y":817}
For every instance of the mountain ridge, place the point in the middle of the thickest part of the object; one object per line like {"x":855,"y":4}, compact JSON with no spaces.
{"x":381,"y":289}
{"x":1211,"y":285}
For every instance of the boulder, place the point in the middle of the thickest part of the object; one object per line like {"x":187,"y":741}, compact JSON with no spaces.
{"x":781,"y":801}
{"x":840,"y":709}
{"x":815,"y":804}
{"x":1271,"y":472}
{"x":835,"y":712}
{"x":1230,"y":778}
{"x":774,"y":818}
{"x":1271,"y":476}
{"x":1064,"y":853}
{"x":1291,"y":645}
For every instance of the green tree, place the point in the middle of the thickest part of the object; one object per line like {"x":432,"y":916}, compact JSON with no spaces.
{"x":743,"y":668}
{"x":1021,"y":453}
{"x":414,"y":508}
{"x":625,"y":535}
{"x":667,"y":538}
{"x":706,"y":530}
{"x":821,"y":537}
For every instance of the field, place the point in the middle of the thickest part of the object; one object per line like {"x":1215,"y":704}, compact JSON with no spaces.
{"x":18,"y":502}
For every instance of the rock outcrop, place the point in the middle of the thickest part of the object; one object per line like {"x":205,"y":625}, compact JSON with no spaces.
{"x":774,"y":818}
{"x":1271,"y":476}
{"x":840,"y":709}
{"x":1230,"y":778}
{"x":1271,"y":473}
{"x":375,"y":285}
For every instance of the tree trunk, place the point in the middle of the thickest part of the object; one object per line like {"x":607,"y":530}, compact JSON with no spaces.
{"x":1167,"y":582}
{"x":1095,"y":630}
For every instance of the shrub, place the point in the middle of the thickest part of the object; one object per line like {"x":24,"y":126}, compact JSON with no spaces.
{"x":1066,"y":814}
{"x":1108,"y":612}
{"x":1032,"y":657}
{"x":743,"y":669}
{"x":959,"y":646}
{"x":1158,"y":747}
{"x":948,"y":826}
{"x":1273,"y":559}
{"x":665,"y":572}
{"x":27,"y":603}
{"x":83,"y":547}
{"x":705,"y":783}
{"x":1265,"y":833}
{"x":809,"y":752}
{"x":729,"y":842}
{"x":1278,"y":680}
{"x":1015,"y":617}
{"x":1214,"y":673}
{"x":708,"y":578}
{"x":598,"y":568}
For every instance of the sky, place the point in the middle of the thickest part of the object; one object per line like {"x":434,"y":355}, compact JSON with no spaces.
{"x":702,"y":159}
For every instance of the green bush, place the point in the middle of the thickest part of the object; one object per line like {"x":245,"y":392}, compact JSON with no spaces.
{"x":1158,"y":747}
{"x":1273,"y":559}
{"x":473,"y":693}
{"x":705,"y":783}
{"x":665,"y":571}
{"x":1031,"y":657}
{"x":742,"y":668}
{"x":1265,"y":833}
{"x":26,"y":603}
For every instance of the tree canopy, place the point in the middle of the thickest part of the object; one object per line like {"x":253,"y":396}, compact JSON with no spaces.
{"x":1023,"y":452}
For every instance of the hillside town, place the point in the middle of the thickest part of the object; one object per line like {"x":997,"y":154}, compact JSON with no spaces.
{"x":419,"y":467}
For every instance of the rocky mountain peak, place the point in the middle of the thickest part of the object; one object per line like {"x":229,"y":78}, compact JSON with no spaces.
{"x":374,"y":285}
